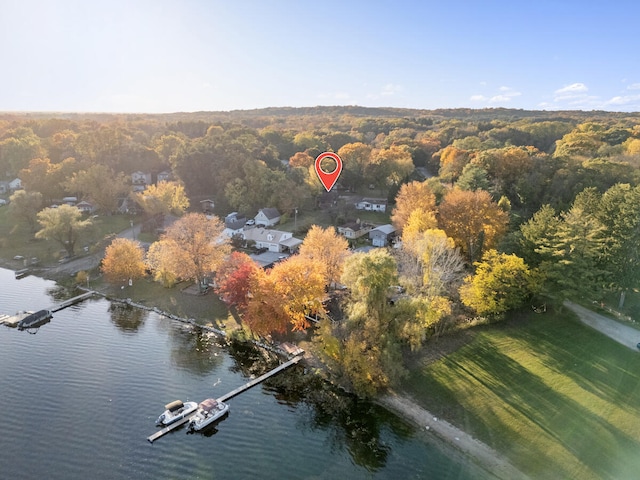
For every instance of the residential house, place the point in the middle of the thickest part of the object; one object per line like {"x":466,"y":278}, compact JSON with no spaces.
{"x":140,"y":180}
{"x":85,"y":207}
{"x":164,"y":176}
{"x":372,"y":204}
{"x":15,"y":184}
{"x":353,"y":230}
{"x":234,"y":224}
{"x":207,"y":205}
{"x":70,"y":201}
{"x":272,"y":240}
{"x":383,"y":235}
{"x":267,"y":217}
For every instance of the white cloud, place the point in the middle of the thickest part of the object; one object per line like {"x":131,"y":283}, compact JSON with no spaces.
{"x":633,"y":86}
{"x":391,"y":89}
{"x":624,"y":100}
{"x":572,"y":89}
{"x":504,"y":95}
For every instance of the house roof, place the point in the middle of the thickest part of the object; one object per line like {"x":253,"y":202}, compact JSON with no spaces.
{"x":377,"y":201}
{"x":207,"y":200}
{"x":291,"y":242}
{"x":387,"y":229}
{"x":270,"y":213}
{"x":352,"y":225}
{"x":262,"y":235}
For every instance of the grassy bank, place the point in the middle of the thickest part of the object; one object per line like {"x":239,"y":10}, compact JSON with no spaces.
{"x":556,"y":398}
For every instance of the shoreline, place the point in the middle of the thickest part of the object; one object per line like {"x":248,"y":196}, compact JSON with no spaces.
{"x":403,"y":406}
{"x":478,"y":452}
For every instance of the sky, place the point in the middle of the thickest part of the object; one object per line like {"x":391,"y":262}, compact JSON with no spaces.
{"x":206,"y":55}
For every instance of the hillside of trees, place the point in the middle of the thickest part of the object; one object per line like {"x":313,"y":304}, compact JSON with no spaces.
{"x":497,"y":209}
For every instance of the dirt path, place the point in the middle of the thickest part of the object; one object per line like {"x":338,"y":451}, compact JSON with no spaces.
{"x":623,"y":334}
{"x":478,"y":451}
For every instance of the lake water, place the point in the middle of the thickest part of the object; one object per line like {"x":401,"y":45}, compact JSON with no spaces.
{"x":81,"y":395}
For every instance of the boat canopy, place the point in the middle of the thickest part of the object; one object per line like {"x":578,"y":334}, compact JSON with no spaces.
{"x":175,"y":405}
{"x":208,"y":404}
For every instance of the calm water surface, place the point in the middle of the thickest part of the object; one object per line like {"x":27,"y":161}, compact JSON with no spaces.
{"x":80,"y":397}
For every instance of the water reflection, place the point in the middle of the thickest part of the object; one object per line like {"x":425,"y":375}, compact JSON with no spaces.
{"x":195,"y":350}
{"x":127,"y":318}
{"x":352,"y":424}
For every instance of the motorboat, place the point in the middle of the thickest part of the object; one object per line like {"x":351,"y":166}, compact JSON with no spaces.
{"x":35,"y":320}
{"x":175,"y":411}
{"x":209,"y":411}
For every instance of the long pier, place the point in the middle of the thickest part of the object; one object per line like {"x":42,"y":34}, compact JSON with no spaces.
{"x":152,"y":438}
{"x":69,"y":302}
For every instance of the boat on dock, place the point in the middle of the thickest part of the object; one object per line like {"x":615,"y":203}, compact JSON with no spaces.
{"x":175,"y":411}
{"x":35,"y":320}
{"x":13,"y":320}
{"x":209,"y":411}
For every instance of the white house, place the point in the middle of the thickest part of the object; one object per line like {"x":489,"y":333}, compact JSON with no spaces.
{"x":234,"y":224}
{"x":381,"y":236}
{"x":272,"y":240}
{"x":85,"y":207}
{"x":15,"y":184}
{"x":354,"y":230}
{"x":140,"y":180}
{"x":372,"y":204}
{"x":267,"y":217}
{"x":164,"y":176}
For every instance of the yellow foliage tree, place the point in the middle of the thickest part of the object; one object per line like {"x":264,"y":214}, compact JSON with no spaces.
{"x":473,"y":220}
{"x":412,"y":196}
{"x":192,"y":248}
{"x":123,"y":260}
{"x":162,"y":199}
{"x":324,"y":245}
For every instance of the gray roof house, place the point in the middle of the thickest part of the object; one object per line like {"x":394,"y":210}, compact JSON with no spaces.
{"x":353,"y":230}
{"x":372,"y":204}
{"x":267,"y":217}
{"x":272,"y":240}
{"x":381,"y":236}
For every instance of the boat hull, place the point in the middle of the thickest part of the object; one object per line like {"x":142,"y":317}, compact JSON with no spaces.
{"x":168,"y":416}
{"x":203,"y":419}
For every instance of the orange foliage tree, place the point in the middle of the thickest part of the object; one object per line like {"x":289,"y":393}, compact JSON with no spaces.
{"x":123,"y":260}
{"x":412,"y":196}
{"x":193,"y":247}
{"x":285,"y":295}
{"x":473,"y":220}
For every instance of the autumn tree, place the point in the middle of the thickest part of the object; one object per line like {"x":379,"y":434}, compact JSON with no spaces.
{"x":233,"y":279}
{"x":473,"y":220}
{"x":25,"y":206}
{"x":101,"y":184}
{"x":389,"y":166}
{"x":364,"y":352}
{"x":123,"y":260}
{"x":163,"y":199}
{"x":284,"y":296}
{"x":452,"y":162}
{"x":63,"y":224}
{"x":193,"y":247}
{"x":412,"y":196}
{"x":355,"y":158}
{"x":301,"y":159}
{"x":163,"y":262}
{"x":47,"y":178}
{"x":501,"y":282}
{"x":328,"y":248}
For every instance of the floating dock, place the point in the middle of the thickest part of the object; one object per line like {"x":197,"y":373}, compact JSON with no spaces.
{"x":227,"y":396}
{"x":14,"y":320}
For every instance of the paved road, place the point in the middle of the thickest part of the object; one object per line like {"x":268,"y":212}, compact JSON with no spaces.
{"x":627,"y":336}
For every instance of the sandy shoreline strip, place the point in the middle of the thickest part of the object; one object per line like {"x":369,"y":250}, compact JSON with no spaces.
{"x":480,"y":453}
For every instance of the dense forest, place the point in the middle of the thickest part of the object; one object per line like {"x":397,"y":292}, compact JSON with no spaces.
{"x":497,"y":209}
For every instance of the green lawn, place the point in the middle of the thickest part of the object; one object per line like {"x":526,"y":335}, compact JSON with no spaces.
{"x":558,"y":399}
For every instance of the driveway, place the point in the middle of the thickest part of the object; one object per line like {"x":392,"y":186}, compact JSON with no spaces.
{"x":627,"y":336}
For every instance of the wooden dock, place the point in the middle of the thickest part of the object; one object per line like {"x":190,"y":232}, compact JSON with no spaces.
{"x":227,"y":396}
{"x":71,"y":301}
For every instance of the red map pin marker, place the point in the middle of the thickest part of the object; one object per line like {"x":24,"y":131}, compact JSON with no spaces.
{"x":328,"y":179}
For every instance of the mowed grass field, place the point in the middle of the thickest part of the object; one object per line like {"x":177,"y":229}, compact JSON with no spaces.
{"x":556,"y":398}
